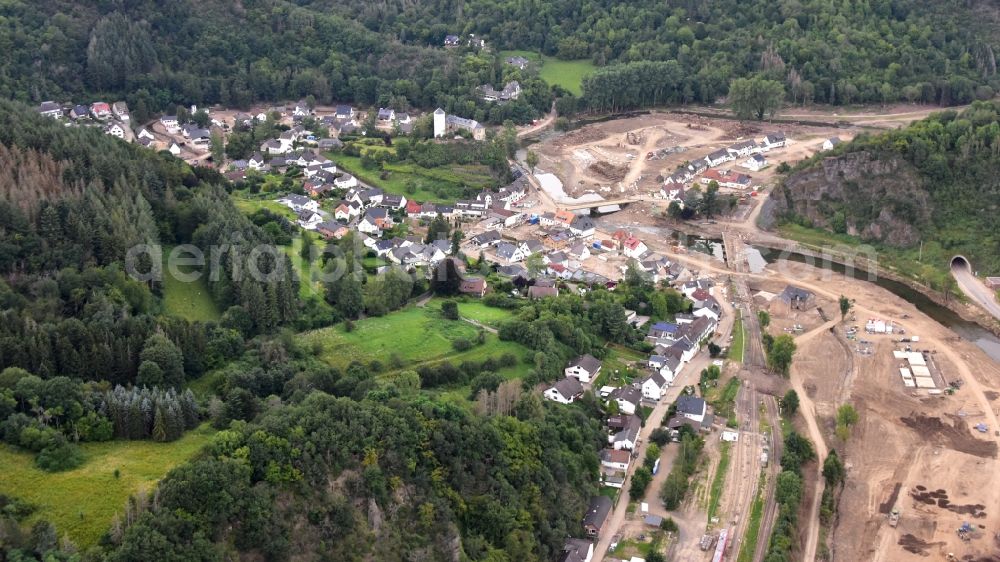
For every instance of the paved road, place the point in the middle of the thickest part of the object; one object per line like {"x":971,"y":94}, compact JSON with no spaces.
{"x":976,"y":290}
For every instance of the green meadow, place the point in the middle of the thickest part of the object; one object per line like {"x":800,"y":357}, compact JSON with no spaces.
{"x":566,"y":73}
{"x":82,"y":502}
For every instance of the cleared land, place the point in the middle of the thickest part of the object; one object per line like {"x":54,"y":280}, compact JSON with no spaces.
{"x":568,"y":74}
{"x":189,"y":300}
{"x":82,"y":502}
{"x":411,"y":337}
{"x":435,"y":185}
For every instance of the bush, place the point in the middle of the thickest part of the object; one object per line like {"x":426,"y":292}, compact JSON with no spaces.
{"x":461,"y":344}
{"x":449,"y":309}
{"x":669,"y":525}
{"x":59,"y":457}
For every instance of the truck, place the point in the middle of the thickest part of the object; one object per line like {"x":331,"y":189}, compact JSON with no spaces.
{"x":894,"y":517}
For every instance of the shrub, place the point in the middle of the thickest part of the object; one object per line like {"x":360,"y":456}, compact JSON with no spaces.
{"x":461,"y":344}
{"x":59,"y":457}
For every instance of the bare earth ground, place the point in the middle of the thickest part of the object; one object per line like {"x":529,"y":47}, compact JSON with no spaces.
{"x":907,"y":439}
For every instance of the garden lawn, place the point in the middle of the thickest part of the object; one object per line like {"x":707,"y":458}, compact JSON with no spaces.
{"x":409,"y":338}
{"x":250,"y":206}
{"x":736,"y":346}
{"x":566,"y":73}
{"x":617,"y":360}
{"x":82,"y":502}
{"x":307,"y":287}
{"x":189,"y":300}
{"x":475,"y":310}
{"x":435,"y":185}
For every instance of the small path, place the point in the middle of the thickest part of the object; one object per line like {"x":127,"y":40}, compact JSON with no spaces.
{"x":479,"y":324}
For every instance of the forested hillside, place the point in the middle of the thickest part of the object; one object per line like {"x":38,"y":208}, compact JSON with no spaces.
{"x":934,"y":182}
{"x":72,"y":203}
{"x":828,"y":52}
{"x":158,"y":55}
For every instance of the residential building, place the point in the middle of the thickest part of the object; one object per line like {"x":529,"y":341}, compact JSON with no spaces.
{"x":831,"y":142}
{"x":755,"y":163}
{"x":100,"y":110}
{"x":774,"y":140}
{"x":796,"y":297}
{"x":452,"y":41}
{"x":615,"y":459}
{"x":375,"y":221}
{"x":691,"y":407}
{"x":50,"y":109}
{"x":565,"y":391}
{"x":120,"y":109}
{"x":585,"y":368}
{"x":597,"y":515}
{"x":519,"y":62}
{"x":744,"y":148}
{"x":628,"y":399}
{"x":654,"y":386}
{"x":576,"y":550}
{"x":344,"y":112}
{"x":718,"y":157}
{"x":299,"y":203}
{"x":115,"y":130}
{"x":537,"y":292}
{"x":473,"y":286}
{"x":454,"y":123}
{"x":633,"y":247}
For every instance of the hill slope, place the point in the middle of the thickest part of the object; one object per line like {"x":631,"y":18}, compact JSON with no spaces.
{"x":936,"y":181}
{"x":160,"y":54}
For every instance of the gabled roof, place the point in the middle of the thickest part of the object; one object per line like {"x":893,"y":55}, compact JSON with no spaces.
{"x":569,"y":387}
{"x":597,"y":512}
{"x":628,"y":394}
{"x":687,"y":404}
{"x":587,"y":362}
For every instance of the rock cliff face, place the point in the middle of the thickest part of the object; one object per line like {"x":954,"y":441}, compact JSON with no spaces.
{"x":878,"y":198}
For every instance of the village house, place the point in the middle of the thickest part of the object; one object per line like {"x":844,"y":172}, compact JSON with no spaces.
{"x":120,"y":109}
{"x":169,"y":122}
{"x":577,"y":550}
{"x":511,"y":91}
{"x":386,"y":116}
{"x":375,"y":221}
{"x":486,"y":239}
{"x":50,"y":109}
{"x":633,"y":247}
{"x":755,"y":163}
{"x":654,"y":386}
{"x":79,"y":112}
{"x":831,"y":142}
{"x":452,"y":41}
{"x":308,"y":219}
{"x":579,"y":251}
{"x":744,"y":148}
{"x":565,"y":391}
{"x":774,"y":140}
{"x":475,"y":286}
{"x":625,"y":431}
{"x":115,"y":130}
{"x":347,"y":210}
{"x":615,"y":459}
{"x":344,"y":112}
{"x":796,"y":297}
{"x":332,"y":229}
{"x":509,"y":252}
{"x":583,"y":227}
{"x":597,"y":515}
{"x":100,"y":110}
{"x":628,"y":399}
{"x":584,"y":368}
{"x":518,"y":62}
{"x":541,"y":292}
{"x":691,"y":407}
{"x":454,"y":123}
{"x":299,"y":203}
{"x":726,"y":178}
{"x":719,"y":157}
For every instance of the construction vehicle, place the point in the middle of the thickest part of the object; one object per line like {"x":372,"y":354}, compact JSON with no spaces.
{"x":894,"y":517}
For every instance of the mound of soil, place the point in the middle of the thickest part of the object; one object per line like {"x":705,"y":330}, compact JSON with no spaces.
{"x":916,"y":545}
{"x":886,"y":508}
{"x":608,"y":171}
{"x":955,"y":436}
{"x":940,"y":498}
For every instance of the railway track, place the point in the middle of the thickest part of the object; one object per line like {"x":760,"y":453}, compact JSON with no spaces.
{"x":770,"y":514}
{"x":747,"y":465}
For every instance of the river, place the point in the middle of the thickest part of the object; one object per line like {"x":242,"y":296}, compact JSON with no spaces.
{"x":759,"y":257}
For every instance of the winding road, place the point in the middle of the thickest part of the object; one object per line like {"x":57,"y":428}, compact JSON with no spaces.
{"x":974,"y":288}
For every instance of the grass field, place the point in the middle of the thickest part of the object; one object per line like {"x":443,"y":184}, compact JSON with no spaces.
{"x":566,"y":73}
{"x":412,"y":336}
{"x":617,"y":360}
{"x":435,"y":185}
{"x":715,"y":493}
{"x":249,"y":206}
{"x":307,"y":287}
{"x":753,"y":526}
{"x":739,"y":341}
{"x":82,"y":502}
{"x":189,"y":300}
{"x":475,"y":310}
